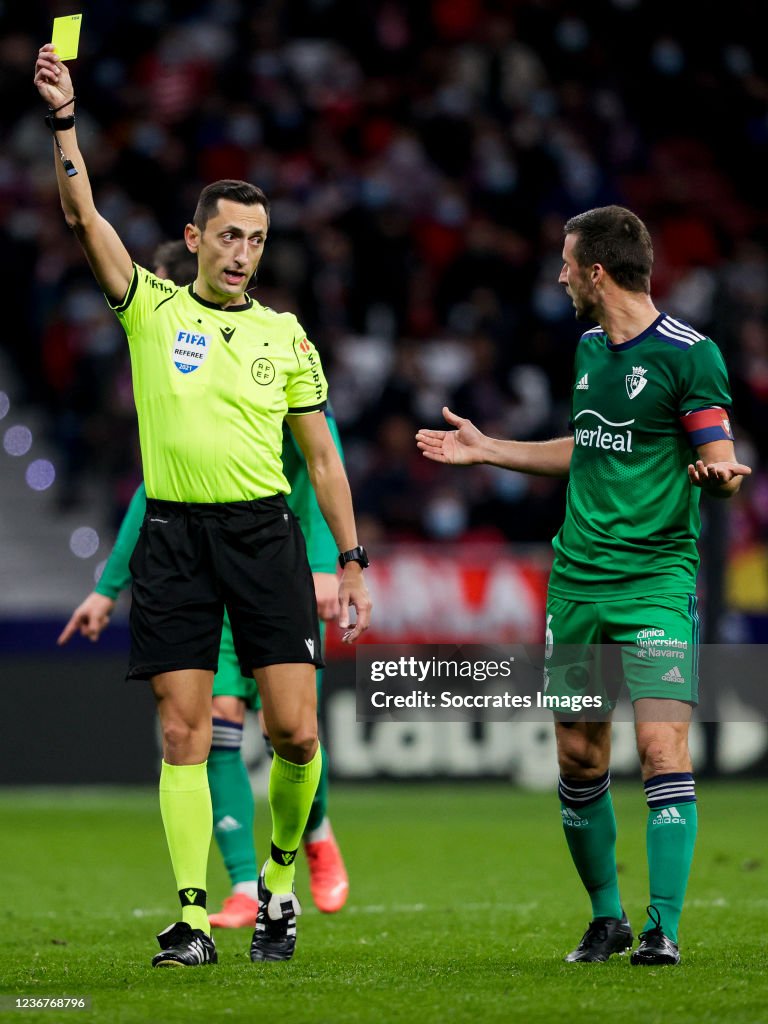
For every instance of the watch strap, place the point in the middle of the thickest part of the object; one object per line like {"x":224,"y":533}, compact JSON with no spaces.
{"x":358,"y":554}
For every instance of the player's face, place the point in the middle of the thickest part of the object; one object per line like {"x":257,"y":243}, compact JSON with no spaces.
{"x":578,"y":282}
{"x":229,"y":251}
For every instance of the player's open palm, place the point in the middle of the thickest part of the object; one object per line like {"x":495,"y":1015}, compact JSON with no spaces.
{"x":460,"y":447}
{"x":52,"y":78}
{"x":702,"y":474}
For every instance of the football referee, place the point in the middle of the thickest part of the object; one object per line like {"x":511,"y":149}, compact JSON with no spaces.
{"x":214,"y":376}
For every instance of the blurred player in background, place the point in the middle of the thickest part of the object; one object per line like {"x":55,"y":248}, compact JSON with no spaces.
{"x":648,"y":389}
{"x":233,"y":693}
{"x":215,"y":374}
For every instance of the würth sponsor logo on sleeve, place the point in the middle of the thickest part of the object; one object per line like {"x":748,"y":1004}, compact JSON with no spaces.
{"x":305,"y":351}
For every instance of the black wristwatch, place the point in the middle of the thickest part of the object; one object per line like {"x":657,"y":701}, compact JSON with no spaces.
{"x":358,"y":554}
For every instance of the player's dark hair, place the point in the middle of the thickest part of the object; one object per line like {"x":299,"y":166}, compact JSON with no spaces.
{"x":228,"y":188}
{"x":617,"y":239}
{"x":179,"y":264}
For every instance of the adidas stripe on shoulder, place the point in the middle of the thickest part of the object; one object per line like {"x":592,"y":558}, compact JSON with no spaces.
{"x":678,"y":333}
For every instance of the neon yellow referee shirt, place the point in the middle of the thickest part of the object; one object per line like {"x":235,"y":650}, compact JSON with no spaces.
{"x":212,"y":387}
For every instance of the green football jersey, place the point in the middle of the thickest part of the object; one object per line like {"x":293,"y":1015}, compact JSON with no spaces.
{"x":321,"y":547}
{"x":212,"y":387}
{"x":632,"y":515}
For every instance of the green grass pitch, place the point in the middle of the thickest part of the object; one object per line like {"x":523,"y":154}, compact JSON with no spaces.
{"x":463,"y":902}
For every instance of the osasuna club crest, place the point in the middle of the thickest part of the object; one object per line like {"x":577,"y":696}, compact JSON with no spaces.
{"x":190,"y":350}
{"x":636,"y":381}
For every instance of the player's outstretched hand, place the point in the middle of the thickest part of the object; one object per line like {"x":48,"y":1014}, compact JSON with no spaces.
{"x":326,"y":595}
{"x":460,"y":447}
{"x":89,"y":618}
{"x":52,"y":79}
{"x":353,"y":593}
{"x":716,"y":476}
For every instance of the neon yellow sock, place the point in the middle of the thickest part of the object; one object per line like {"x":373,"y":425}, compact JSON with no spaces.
{"x":292,"y":789}
{"x":185,"y":806}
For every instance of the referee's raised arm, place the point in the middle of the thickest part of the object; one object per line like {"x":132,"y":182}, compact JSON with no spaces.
{"x":109,"y":259}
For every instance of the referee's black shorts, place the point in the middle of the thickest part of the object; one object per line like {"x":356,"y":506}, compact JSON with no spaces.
{"x":192,"y":561}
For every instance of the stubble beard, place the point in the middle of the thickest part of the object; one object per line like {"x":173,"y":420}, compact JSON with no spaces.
{"x":584,"y":309}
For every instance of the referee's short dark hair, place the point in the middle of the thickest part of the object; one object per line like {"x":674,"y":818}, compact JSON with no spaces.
{"x":228,"y":188}
{"x":617,"y":239}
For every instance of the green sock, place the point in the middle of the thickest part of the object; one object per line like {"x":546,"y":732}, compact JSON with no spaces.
{"x":590,"y":832}
{"x":185,"y":806}
{"x":670,"y":837}
{"x":319,"y":806}
{"x":233,"y":813}
{"x":291,"y":791}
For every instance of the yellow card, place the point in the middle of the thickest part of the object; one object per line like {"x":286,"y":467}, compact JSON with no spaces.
{"x":66,"y":36}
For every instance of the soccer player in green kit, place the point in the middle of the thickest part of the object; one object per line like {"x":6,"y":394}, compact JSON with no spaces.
{"x":233,"y":693}
{"x":215,"y":375}
{"x":648,"y":391}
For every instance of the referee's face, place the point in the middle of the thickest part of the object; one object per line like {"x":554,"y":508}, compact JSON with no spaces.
{"x":228,"y":251}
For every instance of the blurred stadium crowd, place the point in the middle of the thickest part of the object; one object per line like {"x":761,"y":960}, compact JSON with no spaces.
{"x":421,"y":159}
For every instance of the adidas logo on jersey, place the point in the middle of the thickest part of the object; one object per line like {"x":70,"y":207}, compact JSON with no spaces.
{"x":583,"y":384}
{"x":668,"y":816}
{"x":673,"y":676}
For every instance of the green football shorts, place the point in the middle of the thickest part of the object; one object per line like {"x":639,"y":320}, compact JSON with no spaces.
{"x":229,"y":681}
{"x":651,"y":643}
